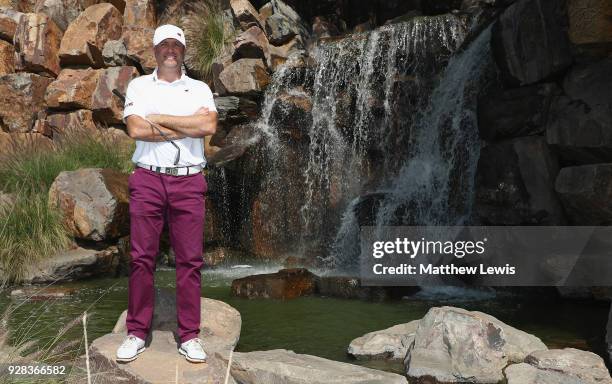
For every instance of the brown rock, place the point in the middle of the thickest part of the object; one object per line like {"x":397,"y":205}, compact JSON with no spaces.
{"x":85,"y":37}
{"x":245,"y":77}
{"x":291,"y":115}
{"x":21,"y":98}
{"x":93,"y":202}
{"x":73,"y":88}
{"x":265,"y":11}
{"x":62,"y":124}
{"x":251,"y":44}
{"x":284,"y":284}
{"x":63,"y":12}
{"x":37,"y":42}
{"x":9,"y":19}
{"x":108,"y":108}
{"x":115,"y":54}
{"x":140,"y":13}
{"x":590,"y":21}
{"x":7,"y":58}
{"x":24,"y":142}
{"x":217,"y":68}
{"x":43,"y":127}
{"x":139,"y":44}
{"x":279,"y":55}
{"x":246,"y":14}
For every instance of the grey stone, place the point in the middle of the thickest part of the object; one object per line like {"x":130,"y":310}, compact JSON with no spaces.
{"x":115,"y":54}
{"x":585,"y":366}
{"x":247,"y":77}
{"x":387,"y":344}
{"x":525,"y":373}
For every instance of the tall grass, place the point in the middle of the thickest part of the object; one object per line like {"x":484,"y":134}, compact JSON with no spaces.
{"x":30,"y":230}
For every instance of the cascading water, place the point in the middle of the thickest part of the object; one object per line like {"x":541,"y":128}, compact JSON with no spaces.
{"x":435,"y":184}
{"x":365,"y":91}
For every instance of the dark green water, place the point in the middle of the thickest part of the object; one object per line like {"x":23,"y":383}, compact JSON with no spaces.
{"x":312,"y":325}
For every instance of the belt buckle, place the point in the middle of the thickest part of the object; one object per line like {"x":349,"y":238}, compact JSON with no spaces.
{"x":171,"y":171}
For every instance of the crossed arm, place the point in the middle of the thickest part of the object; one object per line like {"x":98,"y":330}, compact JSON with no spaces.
{"x":200,"y":124}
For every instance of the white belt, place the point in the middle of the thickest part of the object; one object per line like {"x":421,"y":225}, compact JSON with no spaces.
{"x":173,"y":171}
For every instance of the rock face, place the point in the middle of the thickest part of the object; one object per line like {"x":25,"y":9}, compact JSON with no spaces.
{"x":85,"y":37}
{"x":37,"y":43}
{"x":529,"y":41}
{"x":387,"y":344}
{"x":584,"y":366}
{"x":94,"y":202}
{"x":235,"y":110}
{"x":284,"y":284}
{"x":284,"y":24}
{"x":590,"y":22}
{"x":455,"y":345}
{"x":76,"y":264}
{"x":21,"y":98}
{"x":245,"y":13}
{"x":287,"y":367}
{"x":141,"y":13}
{"x":220,"y":330}
{"x":515,"y":112}
{"x":115,"y":53}
{"x":62,"y":12}
{"x":515,"y":184}
{"x":62,"y":124}
{"x":580,"y":123}
{"x":291,"y":115}
{"x":138,"y":42}
{"x":585,"y":192}
{"x":525,"y":373}
{"x":7,"y":58}
{"x":107,"y":107}
{"x":251,"y":44}
{"x":247,"y":77}
{"x":9,"y":19}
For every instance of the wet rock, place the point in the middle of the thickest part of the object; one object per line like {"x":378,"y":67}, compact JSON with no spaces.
{"x":515,"y":112}
{"x":288,"y":367}
{"x":141,"y":13}
{"x":349,"y":288}
{"x":515,"y":184}
{"x":85,"y":37}
{"x":114,"y":53}
{"x":455,"y":345}
{"x":235,"y":110}
{"x":213,"y":257}
{"x":68,"y":124}
{"x":245,"y":13}
{"x":387,"y":344}
{"x":219,"y":329}
{"x":251,"y":44}
{"x":279,"y":55}
{"x":530,"y":42}
{"x":44,"y":293}
{"x":284,"y":284}
{"x":7,"y":58}
{"x":291,"y":115}
{"x":76,"y":264}
{"x":590,"y":22}
{"x":21,"y":99}
{"x":247,"y":77}
{"x":138,"y":42}
{"x":586,"y":192}
{"x":37,"y":43}
{"x":93,"y":202}
{"x":322,"y":28}
{"x":585,"y":366}
{"x":9,"y":19}
{"x":580,"y":123}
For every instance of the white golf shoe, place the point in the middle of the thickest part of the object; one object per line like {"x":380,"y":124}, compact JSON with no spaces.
{"x":193,"y":350}
{"x":130,"y":348}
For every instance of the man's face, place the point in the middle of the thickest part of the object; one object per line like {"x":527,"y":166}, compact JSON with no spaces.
{"x":169,"y":53}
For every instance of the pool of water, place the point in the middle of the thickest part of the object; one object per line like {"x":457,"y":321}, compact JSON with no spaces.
{"x":319,"y":326}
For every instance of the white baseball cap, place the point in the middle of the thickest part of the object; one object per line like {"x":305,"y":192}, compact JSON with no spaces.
{"x":168,"y":31}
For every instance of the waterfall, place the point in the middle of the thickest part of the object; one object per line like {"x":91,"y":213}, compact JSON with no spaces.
{"x":435,"y":183}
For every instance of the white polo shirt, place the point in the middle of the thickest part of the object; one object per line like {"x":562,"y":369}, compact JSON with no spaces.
{"x":147,"y":95}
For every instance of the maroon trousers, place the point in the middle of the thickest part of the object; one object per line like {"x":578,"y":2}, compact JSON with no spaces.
{"x":153,"y":197}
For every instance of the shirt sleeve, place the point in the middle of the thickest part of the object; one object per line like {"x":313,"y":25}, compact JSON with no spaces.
{"x":205,"y":97}
{"x":134,"y":102}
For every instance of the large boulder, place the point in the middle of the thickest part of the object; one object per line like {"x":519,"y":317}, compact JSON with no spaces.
{"x":7,"y":58}
{"x":288,"y":367}
{"x":586,"y":193}
{"x":530,"y":41}
{"x":105,"y":105}
{"x":37,"y":43}
{"x":63,"y":12}
{"x":141,"y":13}
{"x":21,"y":99}
{"x":284,"y":24}
{"x":251,"y":44}
{"x":510,"y":113}
{"x":247,"y":77}
{"x":515,"y":184}
{"x":245,"y":13}
{"x":580,"y":122}
{"x":284,"y":284}
{"x":94,"y":202}
{"x":84,"y":39}
{"x":235,"y":110}
{"x":387,"y":344}
{"x":454,"y":345}
{"x":75,"y":264}
{"x":65,"y":124}
{"x":524,"y":373}
{"x":279,"y":55}
{"x":9,"y":19}
{"x":138,"y":42}
{"x":219,"y":329}
{"x":291,"y":115}
{"x":584,"y":366}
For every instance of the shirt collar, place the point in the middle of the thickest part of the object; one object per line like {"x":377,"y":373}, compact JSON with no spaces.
{"x":182,"y":79}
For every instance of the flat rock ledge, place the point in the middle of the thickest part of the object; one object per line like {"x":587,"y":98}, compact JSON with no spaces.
{"x":387,"y":344}
{"x":287,"y":367}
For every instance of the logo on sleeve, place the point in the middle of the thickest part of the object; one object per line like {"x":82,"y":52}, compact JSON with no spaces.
{"x":129,"y":104}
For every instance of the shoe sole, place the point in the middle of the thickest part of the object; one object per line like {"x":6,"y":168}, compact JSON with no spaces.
{"x":182,"y":352}
{"x":141,"y":350}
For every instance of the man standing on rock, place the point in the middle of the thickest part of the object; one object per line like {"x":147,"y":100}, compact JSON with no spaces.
{"x":168,"y":114}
